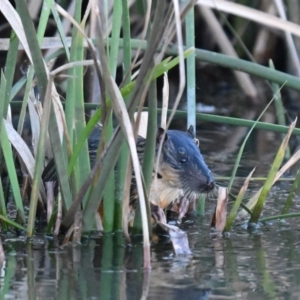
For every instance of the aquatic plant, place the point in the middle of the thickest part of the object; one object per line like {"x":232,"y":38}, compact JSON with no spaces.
{"x":83,"y":67}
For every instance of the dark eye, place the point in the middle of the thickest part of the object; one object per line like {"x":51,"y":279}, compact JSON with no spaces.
{"x":181,"y":151}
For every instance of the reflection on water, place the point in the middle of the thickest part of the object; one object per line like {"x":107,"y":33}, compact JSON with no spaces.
{"x":261,"y":265}
{"x":264,"y":264}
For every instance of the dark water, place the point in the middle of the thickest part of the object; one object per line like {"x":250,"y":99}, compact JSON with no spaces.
{"x":262,"y":264}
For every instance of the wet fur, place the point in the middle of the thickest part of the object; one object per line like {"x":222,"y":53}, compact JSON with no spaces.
{"x":181,"y":169}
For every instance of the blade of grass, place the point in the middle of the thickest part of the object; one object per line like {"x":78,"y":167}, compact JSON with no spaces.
{"x":57,"y":127}
{"x":149,"y":153}
{"x":17,"y":87}
{"x":29,"y":76}
{"x":271,"y":176}
{"x":109,"y":194}
{"x":115,"y":36}
{"x":39,"y":160}
{"x":292,"y":194}
{"x":241,"y":122}
{"x":59,"y":27}
{"x":124,"y":156}
{"x":3,"y":211}
{"x":191,"y":69}
{"x":200,"y":205}
{"x":237,"y":203}
{"x":10,"y":269}
{"x":280,"y":111}
{"x":8,"y":155}
{"x":237,"y":162}
{"x":10,"y":65}
{"x":35,"y":51}
{"x":41,"y":75}
{"x":74,"y":103}
{"x":251,"y":203}
{"x":12,"y":223}
{"x":7,"y":152}
{"x":280,"y":217}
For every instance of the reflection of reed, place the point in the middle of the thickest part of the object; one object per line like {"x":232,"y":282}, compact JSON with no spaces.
{"x":30,"y":271}
{"x":263,"y":267}
{"x":245,"y":265}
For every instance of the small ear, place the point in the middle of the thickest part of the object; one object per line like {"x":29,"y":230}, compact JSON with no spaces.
{"x":191,"y":131}
{"x":160,"y":133}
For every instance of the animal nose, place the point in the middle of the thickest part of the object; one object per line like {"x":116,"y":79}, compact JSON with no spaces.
{"x":210,"y":184}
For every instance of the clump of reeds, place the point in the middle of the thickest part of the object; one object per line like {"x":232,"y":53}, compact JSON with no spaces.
{"x":62,"y":133}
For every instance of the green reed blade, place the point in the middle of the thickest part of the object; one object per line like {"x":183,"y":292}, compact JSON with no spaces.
{"x":10,"y":64}
{"x":39,"y":160}
{"x":237,"y":203}
{"x":201,"y":205}
{"x":268,"y":283}
{"x":51,"y":222}
{"x":43,"y":20}
{"x":280,"y":111}
{"x":280,"y":217}
{"x":29,"y":76}
{"x":238,"y":159}
{"x":292,"y":193}
{"x":83,"y":137}
{"x":12,"y":223}
{"x":109,"y":190}
{"x":59,"y":28}
{"x":36,"y":53}
{"x":150,"y":145}
{"x":109,"y":194}
{"x":8,"y":154}
{"x":106,"y":284}
{"x":60,"y":161}
{"x":9,"y":72}
{"x":74,"y":108}
{"x":279,"y":108}
{"x":149,"y":153}
{"x":124,"y":156}
{"x":10,"y":272}
{"x":41,"y":75}
{"x":190,"y":69}
{"x":17,"y":87}
{"x":115,"y":37}
{"x":270,"y":178}
{"x":3,"y":211}
{"x":12,"y":173}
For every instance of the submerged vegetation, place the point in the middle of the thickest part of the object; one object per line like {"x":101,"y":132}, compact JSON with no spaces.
{"x":92,"y":71}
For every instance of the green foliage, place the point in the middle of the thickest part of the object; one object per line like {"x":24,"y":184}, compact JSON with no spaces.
{"x":65,"y":133}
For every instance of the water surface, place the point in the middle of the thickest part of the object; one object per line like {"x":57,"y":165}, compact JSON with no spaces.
{"x":259,"y":264}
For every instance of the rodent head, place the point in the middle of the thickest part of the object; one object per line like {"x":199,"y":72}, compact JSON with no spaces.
{"x":182,"y":164}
